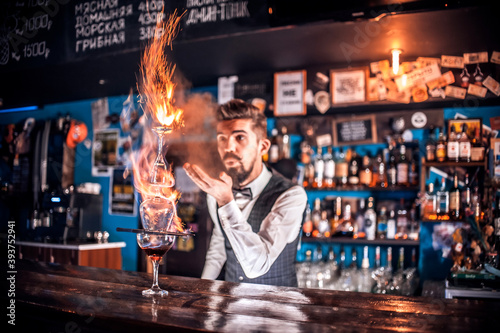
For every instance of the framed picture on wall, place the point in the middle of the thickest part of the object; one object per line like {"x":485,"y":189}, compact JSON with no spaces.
{"x":289,"y":90}
{"x":349,"y":85}
{"x":354,"y":130}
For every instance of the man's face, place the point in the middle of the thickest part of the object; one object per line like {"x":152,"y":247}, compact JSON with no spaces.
{"x":240,"y":150}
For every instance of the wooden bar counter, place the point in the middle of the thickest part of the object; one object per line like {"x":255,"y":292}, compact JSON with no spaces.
{"x":67,"y":298}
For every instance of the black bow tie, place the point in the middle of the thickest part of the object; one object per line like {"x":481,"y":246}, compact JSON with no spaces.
{"x":246,"y":192}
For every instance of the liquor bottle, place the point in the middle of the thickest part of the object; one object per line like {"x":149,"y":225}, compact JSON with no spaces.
{"x":455,"y":200}
{"x":318,"y":254}
{"x":430,"y":146}
{"x":305,"y":152}
{"x":366,"y":173}
{"x":477,"y":148}
{"x":337,"y":216}
{"x":441,"y":147}
{"x":391,"y":225}
{"x":365,"y":280}
{"x":307,"y":227}
{"x":342,"y":265}
{"x":354,"y":166}
{"x":429,"y":205}
{"x":381,"y":172}
{"x":413,"y":258}
{"x":382,"y":223}
{"x":377,"y":258}
{"x":285,"y":151}
{"x":467,"y":196}
{"x":392,"y":179}
{"x":354,"y":259}
{"x":316,"y":216}
{"x":476,"y":204}
{"x":274,"y":150}
{"x":442,"y":200}
{"x":370,"y":220}
{"x":341,"y":169}
{"x":497,"y":232}
{"x":308,"y":175}
{"x":414,"y":232}
{"x":453,"y":151}
{"x":413,"y":173}
{"x":402,"y":221}
{"x":319,"y":168}
{"x":345,"y":227}
{"x":388,"y":266}
{"x":401,"y":259}
{"x":359,"y":220}
{"x":324,"y":225}
{"x":329,"y":173}
{"x":464,"y":145}
{"x":332,"y":264}
{"x":403,"y":168}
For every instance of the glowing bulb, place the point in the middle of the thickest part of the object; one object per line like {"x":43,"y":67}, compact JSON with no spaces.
{"x":395,"y":60}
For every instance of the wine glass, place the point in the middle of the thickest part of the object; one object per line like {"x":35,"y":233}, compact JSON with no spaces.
{"x":161,"y":174}
{"x":157,"y":214}
{"x":155,"y":246}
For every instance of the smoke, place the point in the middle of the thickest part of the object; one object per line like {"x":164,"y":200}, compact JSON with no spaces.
{"x":195,"y":143}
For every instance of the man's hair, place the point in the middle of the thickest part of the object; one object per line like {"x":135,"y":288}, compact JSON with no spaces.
{"x":239,"y":109}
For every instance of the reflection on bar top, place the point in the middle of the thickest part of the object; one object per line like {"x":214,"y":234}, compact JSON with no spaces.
{"x":75,"y":246}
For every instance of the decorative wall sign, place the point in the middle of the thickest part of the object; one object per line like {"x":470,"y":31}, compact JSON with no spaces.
{"x":474,"y":127}
{"x":418,"y":76}
{"x":349,"y":85}
{"x":289,"y":90}
{"x":122,"y":197}
{"x":104,"y":152}
{"x":354,"y":130}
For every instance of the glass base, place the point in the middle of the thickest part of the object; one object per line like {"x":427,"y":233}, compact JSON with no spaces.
{"x":155,"y":292}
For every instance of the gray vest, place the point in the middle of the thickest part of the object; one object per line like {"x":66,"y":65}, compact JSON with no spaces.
{"x":282,"y":272}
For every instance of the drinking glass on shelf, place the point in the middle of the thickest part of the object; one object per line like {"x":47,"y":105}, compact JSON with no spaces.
{"x":155,"y":246}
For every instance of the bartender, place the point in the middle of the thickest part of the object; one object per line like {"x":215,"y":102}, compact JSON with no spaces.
{"x":257,"y":213}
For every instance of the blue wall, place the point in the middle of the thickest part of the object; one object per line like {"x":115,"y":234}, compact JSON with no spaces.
{"x":81,"y":110}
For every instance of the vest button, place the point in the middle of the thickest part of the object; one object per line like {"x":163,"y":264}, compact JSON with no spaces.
{"x":240,"y":278}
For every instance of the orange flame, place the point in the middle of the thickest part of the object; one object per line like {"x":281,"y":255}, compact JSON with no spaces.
{"x":157,"y":87}
{"x":156,"y":94}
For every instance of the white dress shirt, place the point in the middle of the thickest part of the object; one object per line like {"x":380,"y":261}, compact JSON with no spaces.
{"x":256,"y":252}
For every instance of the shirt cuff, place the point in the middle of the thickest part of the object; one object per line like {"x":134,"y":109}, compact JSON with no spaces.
{"x":229,"y":214}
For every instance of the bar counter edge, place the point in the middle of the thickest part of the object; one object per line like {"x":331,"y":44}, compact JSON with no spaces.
{"x":70,"y":298}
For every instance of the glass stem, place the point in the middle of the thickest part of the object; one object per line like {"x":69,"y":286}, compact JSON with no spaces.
{"x":160,"y":143}
{"x":156,"y":265}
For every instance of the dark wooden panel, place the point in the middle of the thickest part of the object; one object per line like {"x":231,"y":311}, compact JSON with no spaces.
{"x":104,"y":258}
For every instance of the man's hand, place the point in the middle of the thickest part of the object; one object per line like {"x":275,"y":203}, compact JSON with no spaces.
{"x":220,"y":189}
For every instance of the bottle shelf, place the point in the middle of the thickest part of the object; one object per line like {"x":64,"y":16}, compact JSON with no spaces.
{"x":361,"y":241}
{"x":364,"y":189}
{"x":437,"y":221}
{"x":454,"y":164}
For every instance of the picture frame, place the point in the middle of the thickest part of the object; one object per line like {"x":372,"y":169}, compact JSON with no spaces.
{"x":354,"y":130}
{"x":349,"y":85}
{"x":474,"y":127}
{"x":104,"y":152}
{"x":289,"y":90}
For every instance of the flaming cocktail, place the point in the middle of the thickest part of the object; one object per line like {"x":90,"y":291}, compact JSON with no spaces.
{"x":153,"y":176}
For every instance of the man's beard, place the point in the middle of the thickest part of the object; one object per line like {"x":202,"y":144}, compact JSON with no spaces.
{"x":239,"y":174}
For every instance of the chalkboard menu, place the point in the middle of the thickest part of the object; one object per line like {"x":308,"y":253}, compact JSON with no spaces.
{"x":31,"y":33}
{"x":40,"y":32}
{"x":354,"y":130}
